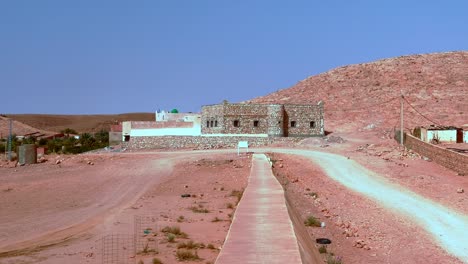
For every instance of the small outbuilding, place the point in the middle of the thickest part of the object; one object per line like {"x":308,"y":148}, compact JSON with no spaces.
{"x":439,"y":134}
{"x":465,"y":133}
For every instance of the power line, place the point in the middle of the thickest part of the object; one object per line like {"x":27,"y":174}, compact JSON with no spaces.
{"x":404,"y":98}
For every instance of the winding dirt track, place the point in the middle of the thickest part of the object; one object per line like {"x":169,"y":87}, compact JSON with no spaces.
{"x":448,"y":227}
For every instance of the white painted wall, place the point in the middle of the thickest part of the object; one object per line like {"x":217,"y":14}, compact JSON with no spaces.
{"x":154,"y":132}
{"x":161,"y":116}
{"x":442,"y":135}
{"x":126,"y":128}
{"x":465,"y":136}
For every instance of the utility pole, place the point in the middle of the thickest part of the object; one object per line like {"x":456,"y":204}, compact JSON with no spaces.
{"x":401,"y":118}
{"x":9,"y":140}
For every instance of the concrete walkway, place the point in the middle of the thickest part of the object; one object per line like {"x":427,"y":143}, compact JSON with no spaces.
{"x":261,"y":230}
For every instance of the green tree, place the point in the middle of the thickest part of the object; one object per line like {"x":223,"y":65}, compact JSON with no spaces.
{"x":68,"y":131}
{"x":102,"y":138}
{"x":42,"y":142}
{"x":55,"y":145}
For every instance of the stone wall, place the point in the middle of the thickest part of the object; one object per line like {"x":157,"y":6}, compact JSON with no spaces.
{"x":303,"y":120}
{"x":212,"y":119}
{"x":275,"y":120}
{"x":200,"y":142}
{"x":115,"y":138}
{"x":166,"y":124}
{"x":447,"y":158}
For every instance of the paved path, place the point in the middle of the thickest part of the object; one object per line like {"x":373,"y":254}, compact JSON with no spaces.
{"x":261,"y":230}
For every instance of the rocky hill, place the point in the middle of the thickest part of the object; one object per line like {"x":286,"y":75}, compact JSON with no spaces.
{"x":367,"y":96}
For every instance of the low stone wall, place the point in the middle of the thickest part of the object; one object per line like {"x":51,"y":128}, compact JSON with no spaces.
{"x":165,"y":124}
{"x":201,"y":142}
{"x":445,"y":157}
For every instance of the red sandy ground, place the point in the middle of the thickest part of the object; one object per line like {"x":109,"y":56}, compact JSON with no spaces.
{"x":68,"y":207}
{"x":39,"y":200}
{"x":387,"y":236}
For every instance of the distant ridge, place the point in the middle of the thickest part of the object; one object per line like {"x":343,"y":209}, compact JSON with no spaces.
{"x":368,"y":95}
{"x":80,"y":123}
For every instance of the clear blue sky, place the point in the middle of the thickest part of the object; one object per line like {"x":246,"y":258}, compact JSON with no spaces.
{"x":90,"y":57}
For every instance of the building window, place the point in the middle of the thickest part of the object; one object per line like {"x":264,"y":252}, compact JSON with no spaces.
{"x":207,"y":123}
{"x":211,"y":123}
{"x":293,"y":123}
{"x":236,"y":123}
{"x":216,"y":123}
{"x":312,"y":124}
{"x":255,"y":123}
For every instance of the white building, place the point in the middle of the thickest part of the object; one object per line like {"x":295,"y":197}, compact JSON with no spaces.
{"x":465,"y":133}
{"x":166,"y":124}
{"x":439,"y":133}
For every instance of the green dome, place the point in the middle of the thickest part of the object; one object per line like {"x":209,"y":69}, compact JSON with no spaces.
{"x":174,"y":111}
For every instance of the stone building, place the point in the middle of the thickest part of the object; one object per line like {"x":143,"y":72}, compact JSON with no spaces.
{"x":263,"y":120}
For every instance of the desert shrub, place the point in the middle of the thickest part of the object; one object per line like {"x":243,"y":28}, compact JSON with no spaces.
{"x":216,"y":219}
{"x":237,"y":194}
{"x":180,"y":219}
{"x":183,"y":254}
{"x":334,"y":260}
{"x":312,"y":221}
{"x":322,"y":249}
{"x":156,"y":261}
{"x":171,"y":238}
{"x":196,"y":209}
{"x":189,"y":245}
{"x":141,"y":262}
{"x":230,"y":206}
{"x":210,"y":246}
{"x":175,"y":230}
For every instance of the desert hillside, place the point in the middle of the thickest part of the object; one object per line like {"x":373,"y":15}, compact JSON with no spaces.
{"x":368,"y":95}
{"x":18,"y":128}
{"x":80,"y":123}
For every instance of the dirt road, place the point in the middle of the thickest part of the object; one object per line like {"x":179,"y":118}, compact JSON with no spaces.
{"x":34,"y":213}
{"x":447,"y":226}
{"x":47,"y":204}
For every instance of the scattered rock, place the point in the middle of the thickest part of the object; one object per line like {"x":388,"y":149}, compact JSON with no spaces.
{"x":42,"y":159}
{"x":339,"y":222}
{"x":58,"y":162}
{"x":426,"y":159}
{"x":460,"y":190}
{"x":361,"y":244}
{"x":281,"y":165}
